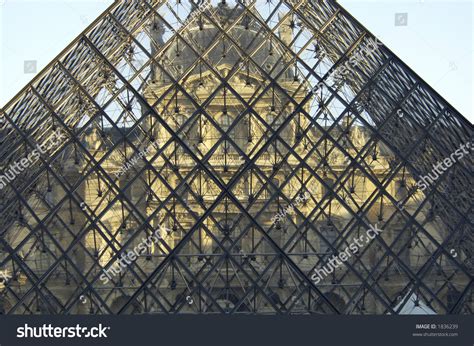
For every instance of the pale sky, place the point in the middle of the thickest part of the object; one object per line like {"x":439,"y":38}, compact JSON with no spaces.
{"x":436,"y":41}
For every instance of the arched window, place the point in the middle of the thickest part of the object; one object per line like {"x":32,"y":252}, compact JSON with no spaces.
{"x":321,"y":306}
{"x":274,"y":120}
{"x":270,"y":118}
{"x":330,"y":235}
{"x":180,"y":120}
{"x":226,"y":121}
{"x":184,"y":132}
{"x":134,"y":308}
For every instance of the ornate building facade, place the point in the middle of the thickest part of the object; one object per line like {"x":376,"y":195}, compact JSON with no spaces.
{"x":199,"y":124}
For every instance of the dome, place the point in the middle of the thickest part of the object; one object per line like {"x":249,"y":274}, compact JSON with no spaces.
{"x":243,"y":38}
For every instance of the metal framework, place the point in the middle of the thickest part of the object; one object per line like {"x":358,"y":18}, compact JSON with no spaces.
{"x":205,"y":121}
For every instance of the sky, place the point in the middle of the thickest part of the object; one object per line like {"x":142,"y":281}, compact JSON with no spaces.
{"x":433,"y":37}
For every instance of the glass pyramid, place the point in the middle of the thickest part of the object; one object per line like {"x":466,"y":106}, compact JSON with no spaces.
{"x":196,"y":157}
